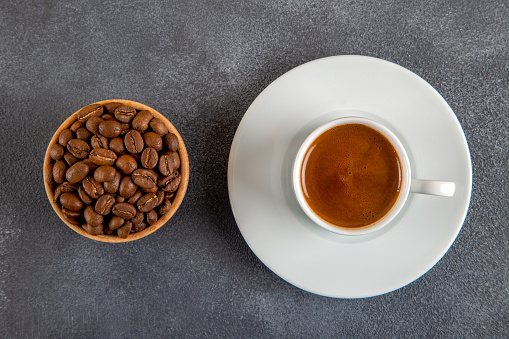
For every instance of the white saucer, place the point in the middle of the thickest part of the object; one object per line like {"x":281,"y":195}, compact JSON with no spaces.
{"x":268,"y":215}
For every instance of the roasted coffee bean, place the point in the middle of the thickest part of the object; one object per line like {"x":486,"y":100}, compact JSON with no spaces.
{"x":104,"y":204}
{"x":56,"y":151}
{"x":133,"y":141}
{"x":138,"y":218}
{"x":93,"y":124}
{"x":84,"y":196}
{"x":103,"y":157}
{"x":145,"y":178}
{"x":104,"y":173}
{"x":125,"y":113}
{"x":160,"y":197}
{"x":75,"y":126}
{"x":141,"y":120}
{"x":110,"y":107}
{"x":170,"y":183}
{"x":77,"y":172}
{"x":123,"y":232}
{"x":93,"y":110}
{"x":68,"y":187}
{"x":117,"y":145}
{"x":153,"y":140}
{"x":107,"y":117}
{"x":110,"y":128}
{"x":169,"y":195}
{"x":113,"y":185}
{"x":99,"y":141}
{"x":149,"y":190}
{"x":92,"y":217}
{"x":169,"y":163}
{"x":108,"y":231}
{"x":64,"y":187}
{"x":173,"y":185}
{"x":166,"y":165}
{"x":147,"y":202}
{"x":59,"y":169}
{"x":79,"y":148}
{"x":70,"y":159}
{"x":134,"y":198}
{"x":158,"y":126}
{"x":171,"y":142}
{"x":71,"y":201}
{"x":115,"y":222}
{"x":64,"y":137}
{"x":127,"y":187}
{"x":165,"y":207}
{"x":93,"y":230}
{"x":93,"y":188}
{"x":138,"y":227}
{"x":48,"y":175}
{"x":72,"y":214}
{"x":126,"y":164}
{"x":83,"y":134}
{"x":124,"y":210}
{"x":151,"y":217}
{"x":163,"y":181}
{"x":119,"y":198}
{"x":174,"y":156}
{"x":71,"y":220}
{"x":149,"y":158}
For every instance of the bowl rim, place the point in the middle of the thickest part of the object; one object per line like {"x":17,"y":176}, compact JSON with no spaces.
{"x":179,"y":196}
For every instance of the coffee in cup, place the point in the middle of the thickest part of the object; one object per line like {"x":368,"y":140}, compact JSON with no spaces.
{"x":352,"y":176}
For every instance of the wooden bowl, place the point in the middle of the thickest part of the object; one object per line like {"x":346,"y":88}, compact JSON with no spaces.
{"x":177,"y":200}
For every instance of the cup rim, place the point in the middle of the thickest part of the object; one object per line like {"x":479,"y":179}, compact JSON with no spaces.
{"x":179,"y":196}
{"x":405,"y":184}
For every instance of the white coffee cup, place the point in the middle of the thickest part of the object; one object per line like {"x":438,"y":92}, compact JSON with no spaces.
{"x":432,"y":187}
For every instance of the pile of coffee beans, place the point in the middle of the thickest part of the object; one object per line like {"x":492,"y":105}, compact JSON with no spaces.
{"x":115,"y":170}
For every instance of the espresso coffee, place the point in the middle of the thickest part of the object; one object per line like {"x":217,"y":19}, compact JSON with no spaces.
{"x":351,"y":176}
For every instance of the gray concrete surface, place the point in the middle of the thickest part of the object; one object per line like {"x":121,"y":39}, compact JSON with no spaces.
{"x":201,"y":64}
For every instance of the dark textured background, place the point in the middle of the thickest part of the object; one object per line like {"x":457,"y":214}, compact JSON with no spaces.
{"x":201,"y":64}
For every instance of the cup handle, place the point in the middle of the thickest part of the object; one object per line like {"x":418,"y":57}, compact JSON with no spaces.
{"x":433,"y":187}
